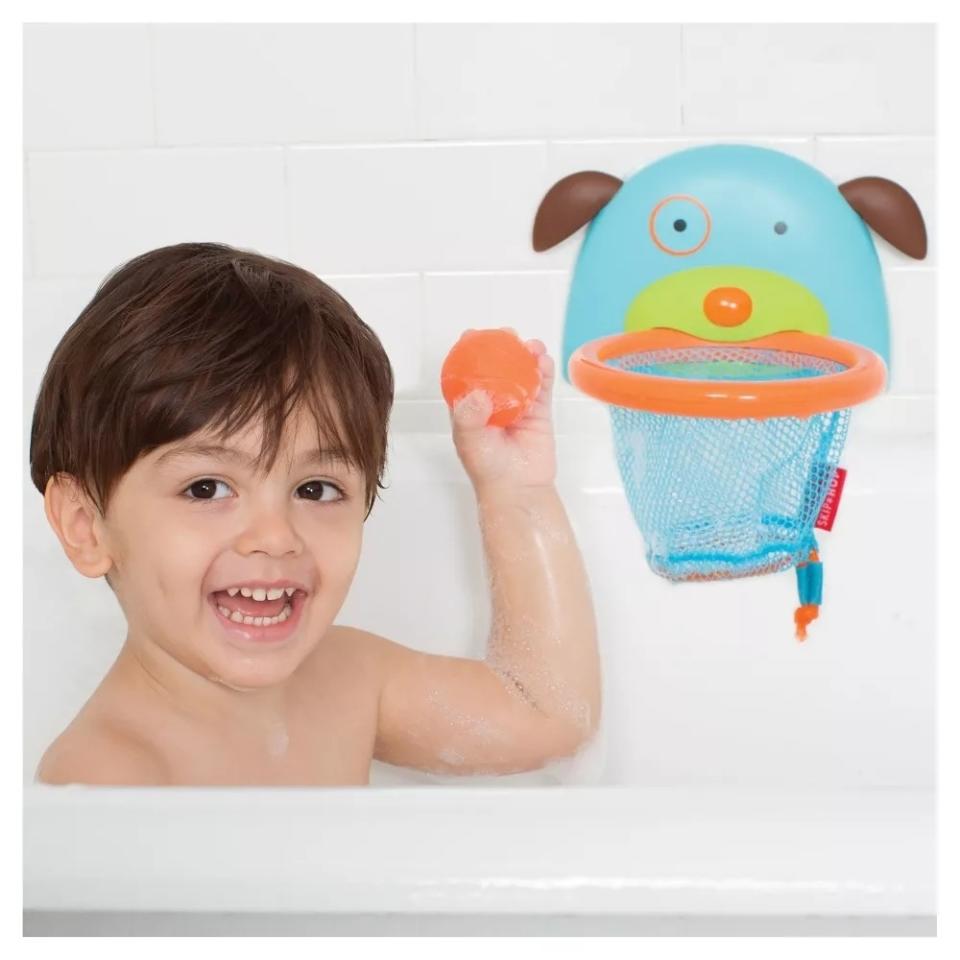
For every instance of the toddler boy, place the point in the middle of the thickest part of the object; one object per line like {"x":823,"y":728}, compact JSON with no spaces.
{"x":210,"y":436}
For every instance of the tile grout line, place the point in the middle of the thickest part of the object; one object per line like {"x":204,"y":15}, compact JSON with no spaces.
{"x":317,"y":146}
{"x":424,"y":275}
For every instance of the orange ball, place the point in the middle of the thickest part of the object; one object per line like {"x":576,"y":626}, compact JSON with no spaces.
{"x":495,"y":361}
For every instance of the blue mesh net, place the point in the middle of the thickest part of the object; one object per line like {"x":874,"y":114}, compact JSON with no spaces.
{"x":718,"y":498}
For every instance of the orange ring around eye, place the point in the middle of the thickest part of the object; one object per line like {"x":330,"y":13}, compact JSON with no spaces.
{"x":653,"y":232}
{"x":864,"y":377}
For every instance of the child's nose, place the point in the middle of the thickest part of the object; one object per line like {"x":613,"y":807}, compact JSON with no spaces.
{"x":272,"y":532}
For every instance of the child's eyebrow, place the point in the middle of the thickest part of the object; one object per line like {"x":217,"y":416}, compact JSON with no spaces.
{"x":318,"y":456}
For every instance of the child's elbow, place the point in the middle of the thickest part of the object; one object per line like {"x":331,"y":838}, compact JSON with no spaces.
{"x":572,"y":733}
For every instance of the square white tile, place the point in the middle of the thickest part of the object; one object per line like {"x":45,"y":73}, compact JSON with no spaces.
{"x":912,"y":305}
{"x":392,"y":307}
{"x":809,"y":78}
{"x":551,"y":80}
{"x":94,"y":210}
{"x":267,"y":83}
{"x":87,"y":85}
{"x":420,"y":207}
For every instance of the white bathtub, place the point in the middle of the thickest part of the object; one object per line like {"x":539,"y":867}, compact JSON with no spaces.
{"x":741,"y":782}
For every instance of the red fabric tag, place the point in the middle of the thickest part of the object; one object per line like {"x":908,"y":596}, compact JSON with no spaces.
{"x":829,"y":509}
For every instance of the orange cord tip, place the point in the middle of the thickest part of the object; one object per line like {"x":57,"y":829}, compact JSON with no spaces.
{"x":803,"y":616}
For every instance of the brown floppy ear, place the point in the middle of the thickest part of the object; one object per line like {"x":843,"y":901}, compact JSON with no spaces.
{"x":569,"y":204}
{"x":887,"y":208}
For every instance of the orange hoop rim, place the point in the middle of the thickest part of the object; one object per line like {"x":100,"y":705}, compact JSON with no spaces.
{"x":864,"y":377}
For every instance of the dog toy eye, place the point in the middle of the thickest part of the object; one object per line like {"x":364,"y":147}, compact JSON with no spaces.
{"x":679,"y":225}
{"x":779,"y":227}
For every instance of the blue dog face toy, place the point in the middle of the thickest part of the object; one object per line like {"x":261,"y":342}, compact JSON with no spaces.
{"x":728,"y":243}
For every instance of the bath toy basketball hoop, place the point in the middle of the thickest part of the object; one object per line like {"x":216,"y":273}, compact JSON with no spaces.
{"x":727,"y":450}
{"x":728,"y":304}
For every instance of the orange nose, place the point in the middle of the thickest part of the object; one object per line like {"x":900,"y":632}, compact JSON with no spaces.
{"x":727,"y":306}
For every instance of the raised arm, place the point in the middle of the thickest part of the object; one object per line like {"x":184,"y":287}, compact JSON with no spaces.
{"x":543,"y":635}
{"x":536,"y":694}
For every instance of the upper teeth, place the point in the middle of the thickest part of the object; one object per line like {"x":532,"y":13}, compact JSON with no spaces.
{"x":260,"y":593}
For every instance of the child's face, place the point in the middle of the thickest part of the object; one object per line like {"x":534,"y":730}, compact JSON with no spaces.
{"x":181,"y":527}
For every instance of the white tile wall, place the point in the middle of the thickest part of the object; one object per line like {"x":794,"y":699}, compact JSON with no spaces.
{"x":279,"y":83}
{"x":393,"y":306}
{"x":87,"y":85}
{"x":809,"y":78}
{"x":403,"y":164}
{"x":392,"y":154}
{"x":92,"y":210}
{"x":50,"y":305}
{"x":27,"y":238}
{"x":451,"y":206}
{"x":548,"y":80}
{"x":912,"y":301}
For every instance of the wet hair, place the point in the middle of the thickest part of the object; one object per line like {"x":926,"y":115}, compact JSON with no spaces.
{"x":201,"y":336}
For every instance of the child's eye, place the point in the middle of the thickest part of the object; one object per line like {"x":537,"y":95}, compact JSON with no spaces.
{"x":322,"y":483}
{"x":205,"y":489}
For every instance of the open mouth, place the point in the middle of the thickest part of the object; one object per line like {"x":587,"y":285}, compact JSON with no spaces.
{"x":258,"y":621}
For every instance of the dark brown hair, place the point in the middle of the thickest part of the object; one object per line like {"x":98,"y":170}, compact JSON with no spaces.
{"x":203,"y":335}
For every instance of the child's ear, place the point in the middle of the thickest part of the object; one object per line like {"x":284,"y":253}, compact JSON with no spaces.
{"x":77,"y":524}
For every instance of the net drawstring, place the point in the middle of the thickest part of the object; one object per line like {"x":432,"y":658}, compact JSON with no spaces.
{"x":810,"y":590}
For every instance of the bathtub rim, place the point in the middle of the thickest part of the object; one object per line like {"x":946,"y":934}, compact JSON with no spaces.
{"x":694,"y":850}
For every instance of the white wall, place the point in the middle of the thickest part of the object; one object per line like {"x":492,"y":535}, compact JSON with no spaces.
{"x":403,"y":164}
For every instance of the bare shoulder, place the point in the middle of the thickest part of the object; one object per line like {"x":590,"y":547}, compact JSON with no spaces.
{"x":362,"y":648}
{"x":369,"y":655}
{"x":99,"y":753}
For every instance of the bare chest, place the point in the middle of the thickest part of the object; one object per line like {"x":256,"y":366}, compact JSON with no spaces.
{"x":322,"y":749}
{"x":326,"y":737}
